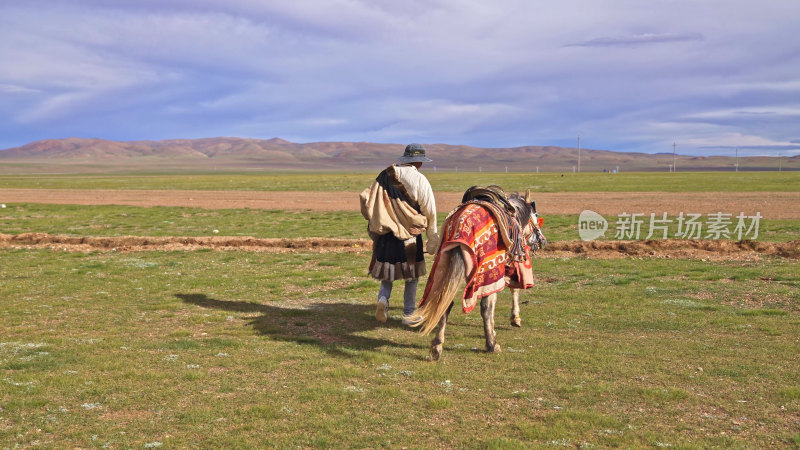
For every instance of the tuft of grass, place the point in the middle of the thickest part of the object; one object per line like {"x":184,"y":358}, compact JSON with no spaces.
{"x":570,"y":428}
{"x":439,"y":403}
{"x":503,"y":443}
{"x":686,"y":303}
{"x":790,"y":393}
{"x":658,"y":396}
{"x":762,"y":312}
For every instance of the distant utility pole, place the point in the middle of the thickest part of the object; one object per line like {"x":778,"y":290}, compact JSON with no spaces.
{"x":780,"y":160}
{"x":579,"y":153}
{"x":737,"y":159}
{"x":674,"y":168}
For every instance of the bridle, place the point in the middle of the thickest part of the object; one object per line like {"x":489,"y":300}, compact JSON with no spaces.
{"x":532,"y":233}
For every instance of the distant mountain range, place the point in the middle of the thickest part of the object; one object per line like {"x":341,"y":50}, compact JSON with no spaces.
{"x":239,"y":154}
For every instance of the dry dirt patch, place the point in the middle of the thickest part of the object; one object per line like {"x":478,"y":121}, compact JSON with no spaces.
{"x":169,"y":243}
{"x":712,"y":250}
{"x":672,"y":248}
{"x":771,"y":205}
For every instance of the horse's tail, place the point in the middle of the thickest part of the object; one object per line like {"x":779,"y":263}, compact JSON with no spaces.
{"x":451,"y":271}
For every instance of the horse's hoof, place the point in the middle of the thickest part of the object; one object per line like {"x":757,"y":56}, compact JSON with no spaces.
{"x":495,"y":349}
{"x":436,"y":352}
{"x":516,"y":321}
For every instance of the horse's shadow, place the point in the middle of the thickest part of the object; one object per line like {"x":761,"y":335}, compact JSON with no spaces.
{"x":337,"y":328}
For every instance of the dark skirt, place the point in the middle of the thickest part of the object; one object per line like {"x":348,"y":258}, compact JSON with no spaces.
{"x":393,"y":259}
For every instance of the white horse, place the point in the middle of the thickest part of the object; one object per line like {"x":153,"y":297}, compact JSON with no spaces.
{"x":456,"y":263}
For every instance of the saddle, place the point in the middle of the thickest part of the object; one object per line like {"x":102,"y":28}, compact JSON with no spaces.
{"x":493,"y":194}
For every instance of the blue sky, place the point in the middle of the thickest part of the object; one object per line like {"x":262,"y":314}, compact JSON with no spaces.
{"x":632,"y":75}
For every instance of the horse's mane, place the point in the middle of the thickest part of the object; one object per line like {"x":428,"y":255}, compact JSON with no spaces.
{"x":523,"y":209}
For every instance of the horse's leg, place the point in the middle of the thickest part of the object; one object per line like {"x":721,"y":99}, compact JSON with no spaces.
{"x":515,"y":320}
{"x":487,"y":312}
{"x":438,"y":342}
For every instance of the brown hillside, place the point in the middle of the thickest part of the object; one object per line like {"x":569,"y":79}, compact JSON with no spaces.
{"x":230,"y":153}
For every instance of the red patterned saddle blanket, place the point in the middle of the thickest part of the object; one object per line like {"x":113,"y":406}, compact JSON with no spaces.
{"x":475,"y":226}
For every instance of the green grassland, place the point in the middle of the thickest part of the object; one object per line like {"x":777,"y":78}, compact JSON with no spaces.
{"x":110,"y":220}
{"x":440,"y":181}
{"x":234,"y":349}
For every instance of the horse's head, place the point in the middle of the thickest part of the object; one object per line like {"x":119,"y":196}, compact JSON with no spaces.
{"x":530,"y":223}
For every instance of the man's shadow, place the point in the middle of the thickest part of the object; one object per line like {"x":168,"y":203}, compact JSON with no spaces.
{"x":334,"y":327}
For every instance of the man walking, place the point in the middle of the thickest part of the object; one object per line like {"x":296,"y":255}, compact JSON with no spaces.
{"x":399,"y":206}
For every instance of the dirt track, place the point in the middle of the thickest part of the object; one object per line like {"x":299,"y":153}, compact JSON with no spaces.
{"x":771,"y":205}
{"x":710,"y":250}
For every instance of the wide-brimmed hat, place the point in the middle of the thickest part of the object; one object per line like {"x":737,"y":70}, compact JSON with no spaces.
{"x":414,"y":153}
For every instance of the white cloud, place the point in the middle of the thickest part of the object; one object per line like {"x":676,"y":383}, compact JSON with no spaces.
{"x":733,"y":140}
{"x":736,"y":113}
{"x":624,"y":74}
{"x":16,"y":89}
{"x":639,"y":39}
